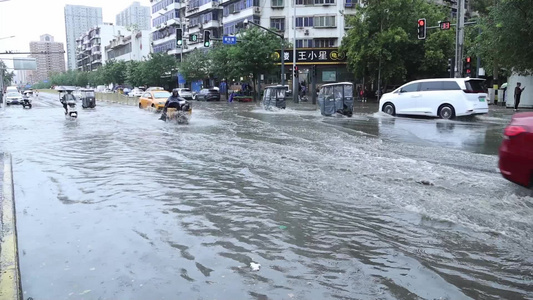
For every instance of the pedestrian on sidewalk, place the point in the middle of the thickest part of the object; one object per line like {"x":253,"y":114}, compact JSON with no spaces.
{"x":517,"y":94}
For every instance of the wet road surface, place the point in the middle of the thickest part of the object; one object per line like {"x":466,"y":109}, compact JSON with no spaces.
{"x":119,"y":205}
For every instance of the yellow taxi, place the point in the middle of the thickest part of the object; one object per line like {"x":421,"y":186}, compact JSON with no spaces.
{"x":154,"y":99}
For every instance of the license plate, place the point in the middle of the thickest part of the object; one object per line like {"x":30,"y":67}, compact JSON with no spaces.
{"x":482,"y":99}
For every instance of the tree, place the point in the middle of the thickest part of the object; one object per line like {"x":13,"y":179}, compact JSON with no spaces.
{"x":115,"y":72}
{"x":196,"y":65}
{"x":8,"y":76}
{"x":383,"y":34}
{"x":159,"y":69}
{"x":134,"y":74}
{"x":506,"y":37}
{"x":254,"y":54}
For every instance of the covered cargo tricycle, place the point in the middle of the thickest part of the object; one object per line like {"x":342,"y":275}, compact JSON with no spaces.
{"x":336,"y":99}
{"x":87,"y":98}
{"x":274,"y":96}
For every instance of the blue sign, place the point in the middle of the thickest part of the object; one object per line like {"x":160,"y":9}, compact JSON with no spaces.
{"x":181,"y":79}
{"x":45,"y":81}
{"x":230,"y":40}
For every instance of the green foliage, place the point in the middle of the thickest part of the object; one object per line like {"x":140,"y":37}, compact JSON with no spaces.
{"x":8,"y":76}
{"x":506,"y":37}
{"x":196,"y":65}
{"x":253,"y":55}
{"x":154,"y":72}
{"x":386,"y":30}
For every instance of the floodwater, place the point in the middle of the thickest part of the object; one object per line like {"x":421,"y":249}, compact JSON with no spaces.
{"x":119,"y":205}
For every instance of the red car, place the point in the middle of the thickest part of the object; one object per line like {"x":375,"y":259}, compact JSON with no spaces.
{"x":516,"y":151}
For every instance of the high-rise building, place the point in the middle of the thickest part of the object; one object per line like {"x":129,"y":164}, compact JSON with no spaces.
{"x":135,"y":16}
{"x":79,"y":19}
{"x":52,"y":59}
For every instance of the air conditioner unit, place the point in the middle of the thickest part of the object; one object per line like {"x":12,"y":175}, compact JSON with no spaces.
{"x":306,"y":32}
{"x":257,"y":10}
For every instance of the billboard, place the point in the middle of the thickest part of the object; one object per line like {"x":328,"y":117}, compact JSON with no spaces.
{"x":24,"y":63}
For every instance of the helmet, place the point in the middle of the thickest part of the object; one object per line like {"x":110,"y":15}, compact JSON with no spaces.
{"x":175,"y":92}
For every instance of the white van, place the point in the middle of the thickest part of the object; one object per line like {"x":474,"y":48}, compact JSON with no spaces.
{"x":446,"y":98}
{"x":12,"y":89}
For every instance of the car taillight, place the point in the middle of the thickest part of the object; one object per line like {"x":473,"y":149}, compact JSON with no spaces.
{"x":512,"y":131}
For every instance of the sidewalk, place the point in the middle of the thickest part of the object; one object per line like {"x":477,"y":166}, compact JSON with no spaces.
{"x":10,"y":283}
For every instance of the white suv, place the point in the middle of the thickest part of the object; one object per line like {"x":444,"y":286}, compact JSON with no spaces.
{"x":446,"y":98}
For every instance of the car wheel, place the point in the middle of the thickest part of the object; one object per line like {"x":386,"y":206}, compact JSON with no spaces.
{"x":446,"y":112}
{"x":389,"y":109}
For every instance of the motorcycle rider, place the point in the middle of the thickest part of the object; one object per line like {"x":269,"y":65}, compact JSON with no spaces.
{"x":173,"y":102}
{"x":66,"y":97}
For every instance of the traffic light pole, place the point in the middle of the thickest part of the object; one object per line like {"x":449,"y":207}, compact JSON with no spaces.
{"x":459,"y":38}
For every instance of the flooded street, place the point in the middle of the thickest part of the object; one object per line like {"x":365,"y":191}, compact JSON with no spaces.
{"x":119,"y":205}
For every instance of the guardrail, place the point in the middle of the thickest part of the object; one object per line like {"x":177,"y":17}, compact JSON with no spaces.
{"x":117,"y":98}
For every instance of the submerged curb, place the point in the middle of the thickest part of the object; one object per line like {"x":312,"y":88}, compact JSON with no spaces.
{"x":10,"y":285}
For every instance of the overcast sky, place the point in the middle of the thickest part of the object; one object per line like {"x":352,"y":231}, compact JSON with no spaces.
{"x":29,"y":19}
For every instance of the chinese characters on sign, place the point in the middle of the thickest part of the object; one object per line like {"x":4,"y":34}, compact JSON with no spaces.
{"x":230,"y":40}
{"x":314,"y":56}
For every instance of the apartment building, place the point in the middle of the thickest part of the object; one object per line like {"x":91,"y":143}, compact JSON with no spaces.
{"x":79,"y":19}
{"x":90,"y":51}
{"x":52,"y":59}
{"x":129,"y":47}
{"x":135,"y":16}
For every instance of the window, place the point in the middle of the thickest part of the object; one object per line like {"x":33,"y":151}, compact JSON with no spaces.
{"x":410,"y":88}
{"x":324,"y":21}
{"x":278,"y":23}
{"x":450,"y":86}
{"x":304,"y":22}
{"x":431,"y":86}
{"x":324,"y":43}
{"x":350,"y":3}
{"x":305,"y":2}
{"x":277,"y":3}
{"x":324,"y":2}
{"x":304,"y":43}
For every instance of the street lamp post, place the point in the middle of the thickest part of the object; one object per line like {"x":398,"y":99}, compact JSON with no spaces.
{"x":296,"y":75}
{"x":281,"y":36}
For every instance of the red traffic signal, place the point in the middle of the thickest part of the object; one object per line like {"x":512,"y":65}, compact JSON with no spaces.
{"x":421,"y":29}
{"x":445,"y":25}
{"x":468,"y":59}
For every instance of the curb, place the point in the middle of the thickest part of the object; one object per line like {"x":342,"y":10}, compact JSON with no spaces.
{"x":10,"y":285}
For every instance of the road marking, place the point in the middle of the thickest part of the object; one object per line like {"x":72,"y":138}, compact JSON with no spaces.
{"x":10,"y":286}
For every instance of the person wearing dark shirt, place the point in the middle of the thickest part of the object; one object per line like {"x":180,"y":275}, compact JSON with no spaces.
{"x":517,"y":94}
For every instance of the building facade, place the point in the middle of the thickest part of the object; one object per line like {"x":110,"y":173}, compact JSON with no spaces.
{"x":319,"y":24}
{"x":130,"y":47}
{"x":135,"y":16}
{"x":51,"y":61}
{"x":90,"y":50}
{"x":79,"y":19}
{"x":167,"y":16}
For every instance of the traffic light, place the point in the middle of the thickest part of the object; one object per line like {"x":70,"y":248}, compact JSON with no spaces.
{"x":451,"y":68}
{"x":193,"y":37}
{"x":295,"y":71}
{"x":421,"y":29}
{"x":468,"y":65}
{"x":179,"y":37}
{"x":207,"y":38}
{"x":445,"y":25}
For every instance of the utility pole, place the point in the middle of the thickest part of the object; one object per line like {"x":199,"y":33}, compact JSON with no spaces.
{"x":459,"y":38}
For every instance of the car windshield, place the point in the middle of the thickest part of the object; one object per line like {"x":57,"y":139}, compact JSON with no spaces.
{"x":161,"y":94}
{"x":88,"y":94}
{"x":185,"y":90}
{"x":13,"y":94}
